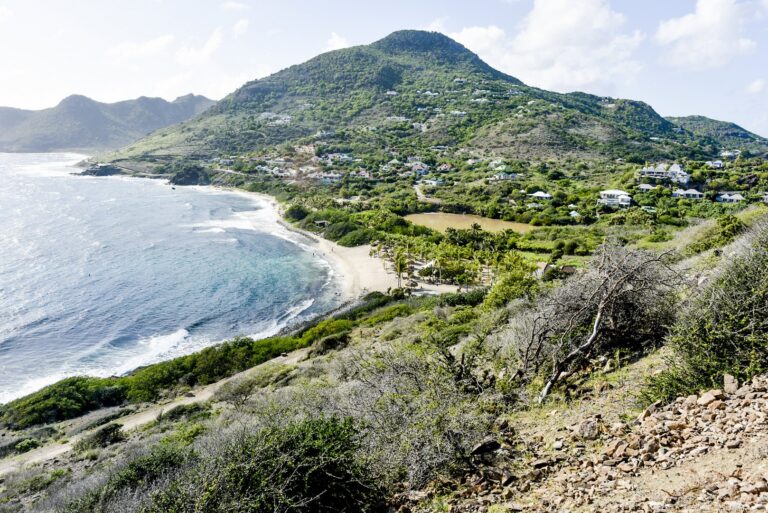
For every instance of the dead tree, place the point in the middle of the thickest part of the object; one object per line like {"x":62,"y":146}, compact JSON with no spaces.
{"x":623,"y":300}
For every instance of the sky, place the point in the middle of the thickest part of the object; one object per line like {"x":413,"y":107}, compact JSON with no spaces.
{"x":683,"y":57}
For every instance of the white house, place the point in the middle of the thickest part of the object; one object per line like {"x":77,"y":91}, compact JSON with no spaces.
{"x":541,"y":195}
{"x":615,"y":198}
{"x":500,"y":177}
{"x":574,"y":214}
{"x":646,"y":187}
{"x":677,"y":175}
{"x":715,"y":164}
{"x":689,"y":194}
{"x":730,"y":198}
{"x":673,"y":173}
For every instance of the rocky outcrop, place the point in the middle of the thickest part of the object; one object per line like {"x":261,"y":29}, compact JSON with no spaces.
{"x":610,"y":468}
{"x":192,"y":175}
{"x":102,"y":170}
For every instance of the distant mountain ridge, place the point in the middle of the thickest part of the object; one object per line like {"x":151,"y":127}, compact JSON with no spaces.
{"x":79,"y":123}
{"x":419,"y":89}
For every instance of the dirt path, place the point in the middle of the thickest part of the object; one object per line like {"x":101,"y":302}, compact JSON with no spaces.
{"x":424,"y":198}
{"x":136,"y":420}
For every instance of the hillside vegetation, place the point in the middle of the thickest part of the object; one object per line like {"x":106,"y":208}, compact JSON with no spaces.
{"x":81,"y":124}
{"x":419,"y":89}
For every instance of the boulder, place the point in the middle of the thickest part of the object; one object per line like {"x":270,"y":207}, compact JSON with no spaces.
{"x":730,"y":384}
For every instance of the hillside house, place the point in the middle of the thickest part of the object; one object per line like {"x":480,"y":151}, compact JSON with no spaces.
{"x":730,"y":197}
{"x":673,"y":173}
{"x":541,"y":195}
{"x":691,"y":194}
{"x":329,"y":178}
{"x":501,"y":177}
{"x":646,"y":187}
{"x":615,"y":198}
{"x":715,"y":164}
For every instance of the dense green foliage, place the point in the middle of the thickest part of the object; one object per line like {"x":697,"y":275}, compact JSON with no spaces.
{"x":725,"y":328}
{"x":305,"y":466}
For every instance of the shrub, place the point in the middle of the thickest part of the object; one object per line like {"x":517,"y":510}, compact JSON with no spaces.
{"x":516,"y":281}
{"x":306,"y":466}
{"x":724,"y":329}
{"x":358,"y":237}
{"x":136,"y":474}
{"x":727,"y":229}
{"x":107,"y":435}
{"x":623,"y":301}
{"x":296,"y":212}
{"x":63,"y":400}
{"x":27,"y":445}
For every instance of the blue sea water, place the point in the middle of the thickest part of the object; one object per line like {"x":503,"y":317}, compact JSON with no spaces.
{"x":99,"y":276}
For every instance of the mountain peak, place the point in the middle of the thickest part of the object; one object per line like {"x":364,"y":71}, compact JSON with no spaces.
{"x":420,"y":41}
{"x":437,"y":47}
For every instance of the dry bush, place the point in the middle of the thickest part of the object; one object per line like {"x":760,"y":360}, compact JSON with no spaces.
{"x":625,"y":300}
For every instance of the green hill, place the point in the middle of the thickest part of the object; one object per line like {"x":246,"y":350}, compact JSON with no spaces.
{"x":417,"y":89}
{"x":729,"y":135}
{"x":79,"y":123}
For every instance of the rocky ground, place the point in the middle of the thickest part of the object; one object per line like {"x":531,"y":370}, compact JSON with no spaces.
{"x":701,"y":453}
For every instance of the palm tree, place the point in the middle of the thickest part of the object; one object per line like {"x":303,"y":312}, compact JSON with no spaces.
{"x":401,"y":265}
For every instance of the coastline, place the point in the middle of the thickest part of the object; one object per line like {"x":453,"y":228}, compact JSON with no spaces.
{"x":360,"y":273}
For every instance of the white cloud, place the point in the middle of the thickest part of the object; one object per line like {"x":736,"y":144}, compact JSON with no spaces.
{"x":241,"y":27}
{"x":336,"y":42}
{"x":195,"y":55}
{"x":134,"y":50}
{"x":234,"y":6}
{"x":710,"y":36}
{"x":5,"y":13}
{"x":757,"y":86}
{"x":561,"y":45}
{"x":438,"y":25}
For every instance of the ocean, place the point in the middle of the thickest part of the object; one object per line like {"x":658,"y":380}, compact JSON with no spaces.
{"x":99,"y":276}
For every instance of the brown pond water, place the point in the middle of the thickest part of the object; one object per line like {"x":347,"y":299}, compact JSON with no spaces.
{"x":441,"y":221}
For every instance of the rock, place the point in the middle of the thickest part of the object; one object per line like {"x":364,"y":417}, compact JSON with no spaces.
{"x":730,"y":384}
{"x":486,"y":446}
{"x":733,"y":444}
{"x":588,"y":430}
{"x":716,"y":405}
{"x":558,"y":445}
{"x":710,"y":397}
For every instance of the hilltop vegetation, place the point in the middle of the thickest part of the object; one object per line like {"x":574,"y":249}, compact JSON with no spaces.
{"x":729,"y":135}
{"x":418,"y":89}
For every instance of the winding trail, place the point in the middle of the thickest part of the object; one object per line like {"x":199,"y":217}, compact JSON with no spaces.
{"x":141,"y":418}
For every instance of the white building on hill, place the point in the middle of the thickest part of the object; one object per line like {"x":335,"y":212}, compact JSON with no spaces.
{"x":615,"y":198}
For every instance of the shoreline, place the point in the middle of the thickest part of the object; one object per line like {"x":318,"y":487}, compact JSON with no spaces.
{"x":360,"y":273}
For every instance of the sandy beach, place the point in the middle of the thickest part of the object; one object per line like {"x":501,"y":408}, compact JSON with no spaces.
{"x":360,"y":272}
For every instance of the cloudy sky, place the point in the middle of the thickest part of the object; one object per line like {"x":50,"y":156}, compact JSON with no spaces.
{"x":682,"y":56}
